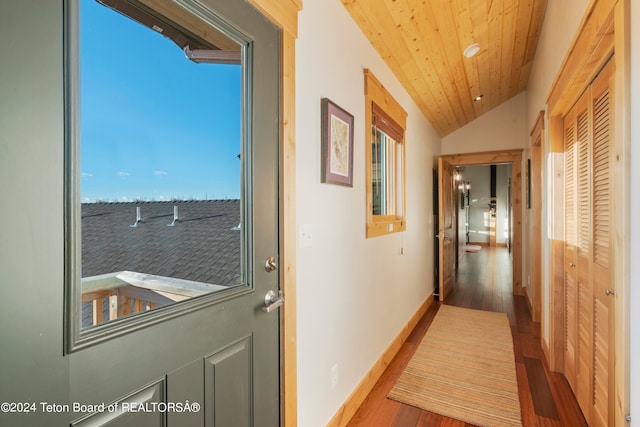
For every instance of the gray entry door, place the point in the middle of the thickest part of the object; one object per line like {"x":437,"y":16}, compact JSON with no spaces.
{"x":153,"y":345}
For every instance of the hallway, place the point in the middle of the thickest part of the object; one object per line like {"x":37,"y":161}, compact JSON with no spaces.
{"x":483,"y":282}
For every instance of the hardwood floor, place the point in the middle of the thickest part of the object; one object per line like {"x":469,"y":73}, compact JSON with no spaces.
{"x":483,"y":282}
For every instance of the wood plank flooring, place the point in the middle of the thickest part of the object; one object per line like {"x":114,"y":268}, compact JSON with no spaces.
{"x":483,"y":282}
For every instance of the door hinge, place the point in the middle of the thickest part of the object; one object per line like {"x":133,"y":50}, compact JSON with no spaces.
{"x":628,"y":418}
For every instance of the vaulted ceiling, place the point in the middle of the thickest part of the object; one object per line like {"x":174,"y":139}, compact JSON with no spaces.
{"x":423,"y":42}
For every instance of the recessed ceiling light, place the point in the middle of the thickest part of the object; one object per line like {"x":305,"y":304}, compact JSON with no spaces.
{"x":478,"y":98}
{"x":472,"y":50}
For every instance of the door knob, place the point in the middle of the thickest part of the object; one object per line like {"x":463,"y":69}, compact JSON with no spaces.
{"x":609,"y":292}
{"x":272,"y":301}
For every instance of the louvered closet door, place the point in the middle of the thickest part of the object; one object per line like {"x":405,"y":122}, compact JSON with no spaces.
{"x":584,"y":294}
{"x":570,"y":252}
{"x":602,"y":410}
{"x":588,"y":297}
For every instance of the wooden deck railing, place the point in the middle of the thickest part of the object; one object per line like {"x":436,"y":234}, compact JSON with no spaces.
{"x":130,"y":293}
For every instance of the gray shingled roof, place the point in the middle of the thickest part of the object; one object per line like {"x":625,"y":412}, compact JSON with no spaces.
{"x":202,"y":246}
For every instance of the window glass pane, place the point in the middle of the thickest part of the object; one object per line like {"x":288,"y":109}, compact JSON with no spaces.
{"x":161,"y":170}
{"x":377,"y":171}
{"x":386,"y":168}
{"x":399,"y":179}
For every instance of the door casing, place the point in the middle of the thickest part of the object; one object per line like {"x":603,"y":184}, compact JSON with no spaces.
{"x":499,"y":157}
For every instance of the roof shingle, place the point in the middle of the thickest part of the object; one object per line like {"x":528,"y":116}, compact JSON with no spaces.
{"x":202,"y":246}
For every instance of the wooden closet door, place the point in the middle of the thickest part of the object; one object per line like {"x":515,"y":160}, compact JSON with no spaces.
{"x":584,"y":293}
{"x":602,"y":410}
{"x":570,"y":252}
{"x":588,"y":280}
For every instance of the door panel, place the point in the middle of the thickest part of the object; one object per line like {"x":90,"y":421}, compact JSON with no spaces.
{"x":602,"y":409}
{"x":589,"y":293}
{"x":186,"y":384}
{"x":584,"y":357}
{"x":221,"y":350}
{"x":228,"y":376}
{"x":570,"y":328}
{"x":570,"y":252}
{"x":446,"y":232}
{"x":128,"y":410}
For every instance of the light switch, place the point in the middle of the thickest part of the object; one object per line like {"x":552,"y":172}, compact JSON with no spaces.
{"x":305,"y":235}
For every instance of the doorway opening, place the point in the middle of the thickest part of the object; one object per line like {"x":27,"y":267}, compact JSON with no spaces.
{"x":483,"y":208}
{"x":514,"y":223}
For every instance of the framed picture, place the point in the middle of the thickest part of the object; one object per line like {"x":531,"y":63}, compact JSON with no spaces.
{"x":337,"y":144}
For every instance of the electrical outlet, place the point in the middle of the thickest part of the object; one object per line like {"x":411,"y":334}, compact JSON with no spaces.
{"x":334,"y":376}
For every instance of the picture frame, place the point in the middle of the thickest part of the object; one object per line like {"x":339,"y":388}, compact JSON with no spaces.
{"x":337,"y":144}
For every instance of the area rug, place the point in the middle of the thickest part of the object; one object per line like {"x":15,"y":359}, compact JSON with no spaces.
{"x":464,"y":368}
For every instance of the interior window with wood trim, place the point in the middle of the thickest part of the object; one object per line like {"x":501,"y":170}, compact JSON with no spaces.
{"x":385,"y":155}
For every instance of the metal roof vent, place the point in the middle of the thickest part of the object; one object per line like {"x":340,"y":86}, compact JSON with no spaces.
{"x":175,"y":217}
{"x":138,"y":217}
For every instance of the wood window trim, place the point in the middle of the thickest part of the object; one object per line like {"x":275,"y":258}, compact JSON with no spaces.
{"x":392,"y":119}
{"x":382,"y":121}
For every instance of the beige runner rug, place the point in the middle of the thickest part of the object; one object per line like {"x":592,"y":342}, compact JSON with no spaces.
{"x":464,"y":368}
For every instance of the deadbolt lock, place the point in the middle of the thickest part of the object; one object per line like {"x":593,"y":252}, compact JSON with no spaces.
{"x":270,"y":265}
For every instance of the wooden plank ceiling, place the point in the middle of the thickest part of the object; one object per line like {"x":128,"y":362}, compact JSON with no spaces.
{"x":423,"y":42}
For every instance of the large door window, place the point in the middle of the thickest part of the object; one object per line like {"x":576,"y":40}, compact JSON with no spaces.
{"x":161,"y":176}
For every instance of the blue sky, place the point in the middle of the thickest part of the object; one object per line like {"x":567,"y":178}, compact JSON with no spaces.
{"x":154,"y":125}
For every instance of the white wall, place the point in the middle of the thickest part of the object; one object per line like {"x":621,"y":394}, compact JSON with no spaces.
{"x":503,"y":128}
{"x":561,"y":22}
{"x":354,"y":294}
{"x":635,"y":214}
